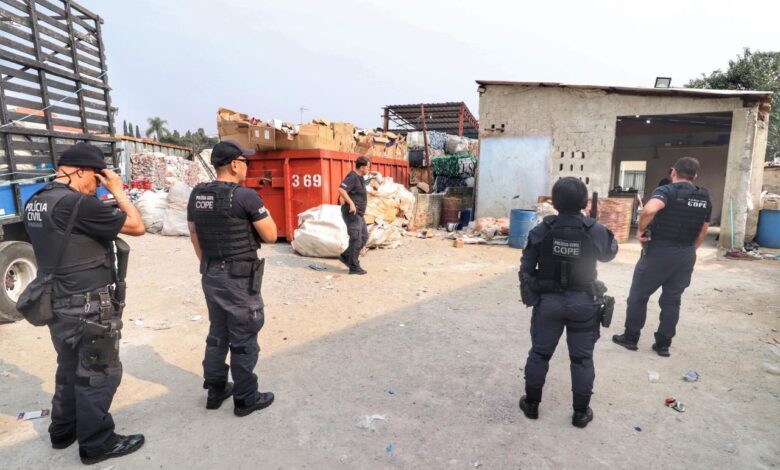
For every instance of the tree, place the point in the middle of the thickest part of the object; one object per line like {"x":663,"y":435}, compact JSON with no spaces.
{"x":157,"y":127}
{"x":124,"y":127}
{"x":130,"y":129}
{"x":751,"y":71}
{"x":137,"y":132}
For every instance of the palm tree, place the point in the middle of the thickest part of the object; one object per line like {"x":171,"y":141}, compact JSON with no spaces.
{"x":157,"y":127}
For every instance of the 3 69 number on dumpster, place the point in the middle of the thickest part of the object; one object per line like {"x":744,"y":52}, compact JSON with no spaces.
{"x":307,"y":181}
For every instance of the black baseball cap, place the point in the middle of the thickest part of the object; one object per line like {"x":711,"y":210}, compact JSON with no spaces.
{"x":227,"y":151}
{"x":83,"y":155}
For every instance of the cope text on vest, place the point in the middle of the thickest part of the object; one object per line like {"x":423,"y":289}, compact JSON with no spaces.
{"x":204,"y":202}
{"x":567,"y":248}
{"x":34,"y":210}
{"x":697,"y":203}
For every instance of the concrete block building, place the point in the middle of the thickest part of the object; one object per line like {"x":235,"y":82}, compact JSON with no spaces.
{"x":533,"y":133}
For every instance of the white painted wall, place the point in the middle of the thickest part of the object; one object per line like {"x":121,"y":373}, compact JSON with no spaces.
{"x":513,"y":173}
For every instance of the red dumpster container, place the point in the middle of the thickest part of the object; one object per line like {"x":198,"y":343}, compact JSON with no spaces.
{"x":293,"y":181}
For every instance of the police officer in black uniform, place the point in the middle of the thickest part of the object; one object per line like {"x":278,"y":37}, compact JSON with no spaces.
{"x":85,"y":330}
{"x":353,"y":192}
{"x":226,"y":223}
{"x":672,"y":225}
{"x":558,"y":279}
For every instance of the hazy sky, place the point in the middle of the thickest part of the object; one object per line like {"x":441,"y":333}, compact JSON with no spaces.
{"x":346,"y":59}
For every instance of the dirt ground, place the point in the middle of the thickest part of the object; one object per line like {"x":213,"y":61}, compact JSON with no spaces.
{"x":434,"y":338}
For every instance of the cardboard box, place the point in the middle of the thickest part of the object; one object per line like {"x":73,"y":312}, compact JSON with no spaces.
{"x":284,"y":141}
{"x":315,"y":136}
{"x":344,"y":136}
{"x":241,"y":138}
{"x":262,"y":137}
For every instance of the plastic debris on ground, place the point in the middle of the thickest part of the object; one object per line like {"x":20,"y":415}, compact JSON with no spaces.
{"x":367,"y":422}
{"x":672,"y":403}
{"x":384,"y":235}
{"x":318,"y":267}
{"x":321,"y":232}
{"x":28,"y":415}
{"x":653,"y":376}
{"x":691,"y":376}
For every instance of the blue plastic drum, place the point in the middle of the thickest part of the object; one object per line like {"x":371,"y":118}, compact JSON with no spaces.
{"x":520,"y":223}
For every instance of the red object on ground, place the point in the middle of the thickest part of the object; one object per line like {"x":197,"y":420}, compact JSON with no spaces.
{"x":293,"y":181}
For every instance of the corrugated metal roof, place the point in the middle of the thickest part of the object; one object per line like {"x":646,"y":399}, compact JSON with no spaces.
{"x":690,"y":92}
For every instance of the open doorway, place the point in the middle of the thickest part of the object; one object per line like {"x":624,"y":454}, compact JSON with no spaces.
{"x":658,"y":141}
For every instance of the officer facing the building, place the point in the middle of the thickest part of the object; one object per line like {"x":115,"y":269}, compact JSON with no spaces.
{"x":558,"y":279}
{"x":227,"y":222}
{"x":353,"y":192}
{"x":672,"y":225}
{"x":88,"y":296}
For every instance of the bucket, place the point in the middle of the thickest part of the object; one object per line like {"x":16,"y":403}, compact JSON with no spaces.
{"x":768,"y":233}
{"x":520,"y":223}
{"x":465,"y":217}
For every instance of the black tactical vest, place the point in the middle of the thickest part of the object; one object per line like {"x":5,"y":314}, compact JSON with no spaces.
{"x":568,"y":258}
{"x":680,"y":221}
{"x":221,"y":234}
{"x":83,"y":252}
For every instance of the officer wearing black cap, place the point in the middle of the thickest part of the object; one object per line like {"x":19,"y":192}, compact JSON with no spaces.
{"x":672,"y":225}
{"x":227,"y":222}
{"x":85,"y":330}
{"x":558,"y":279}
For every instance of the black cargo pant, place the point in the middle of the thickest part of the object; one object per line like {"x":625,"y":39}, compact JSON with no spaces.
{"x":669,"y":268}
{"x":577,"y":312}
{"x":82,"y":392}
{"x":358,"y":237}
{"x":236,"y":317}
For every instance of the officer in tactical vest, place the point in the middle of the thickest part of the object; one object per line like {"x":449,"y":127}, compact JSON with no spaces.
{"x":226,"y":223}
{"x":88,"y":296}
{"x":558,"y":279}
{"x":672,"y":225}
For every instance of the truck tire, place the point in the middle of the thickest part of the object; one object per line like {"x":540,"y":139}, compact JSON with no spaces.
{"x":17,"y":268}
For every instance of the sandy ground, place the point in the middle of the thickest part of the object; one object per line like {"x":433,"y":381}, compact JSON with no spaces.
{"x":434,"y":339}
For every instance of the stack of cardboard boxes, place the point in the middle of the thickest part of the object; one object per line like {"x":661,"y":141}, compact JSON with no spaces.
{"x":247,"y":132}
{"x":319,"y":134}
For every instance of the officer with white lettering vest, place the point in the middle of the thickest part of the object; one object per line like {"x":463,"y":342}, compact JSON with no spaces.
{"x":227,"y":222}
{"x":558,"y":279}
{"x":673,"y":224}
{"x":74,"y":237}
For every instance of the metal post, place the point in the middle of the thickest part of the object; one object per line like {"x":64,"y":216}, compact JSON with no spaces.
{"x":387,"y":120}
{"x":425,"y":143}
{"x":460,"y":119}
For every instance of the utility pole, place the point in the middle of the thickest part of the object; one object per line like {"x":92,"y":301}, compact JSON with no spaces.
{"x":302,"y":109}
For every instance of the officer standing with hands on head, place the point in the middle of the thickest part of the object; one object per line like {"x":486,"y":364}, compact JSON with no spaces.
{"x":226,"y":222}
{"x":672,"y":225}
{"x":88,"y":297}
{"x":353,"y":192}
{"x":558,"y":278}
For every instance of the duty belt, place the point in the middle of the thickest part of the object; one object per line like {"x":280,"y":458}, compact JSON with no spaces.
{"x":104,"y":295}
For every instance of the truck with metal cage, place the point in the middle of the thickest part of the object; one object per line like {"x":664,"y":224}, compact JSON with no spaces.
{"x":54,"y":93}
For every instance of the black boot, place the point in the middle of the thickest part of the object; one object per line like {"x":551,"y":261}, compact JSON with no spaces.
{"x":530,"y":409}
{"x":661,"y":345}
{"x":63,"y":442}
{"x":582,"y":412}
{"x":217,"y":394}
{"x":263,"y":400}
{"x":581,"y":419}
{"x":122,"y":446}
{"x":628,"y":340}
